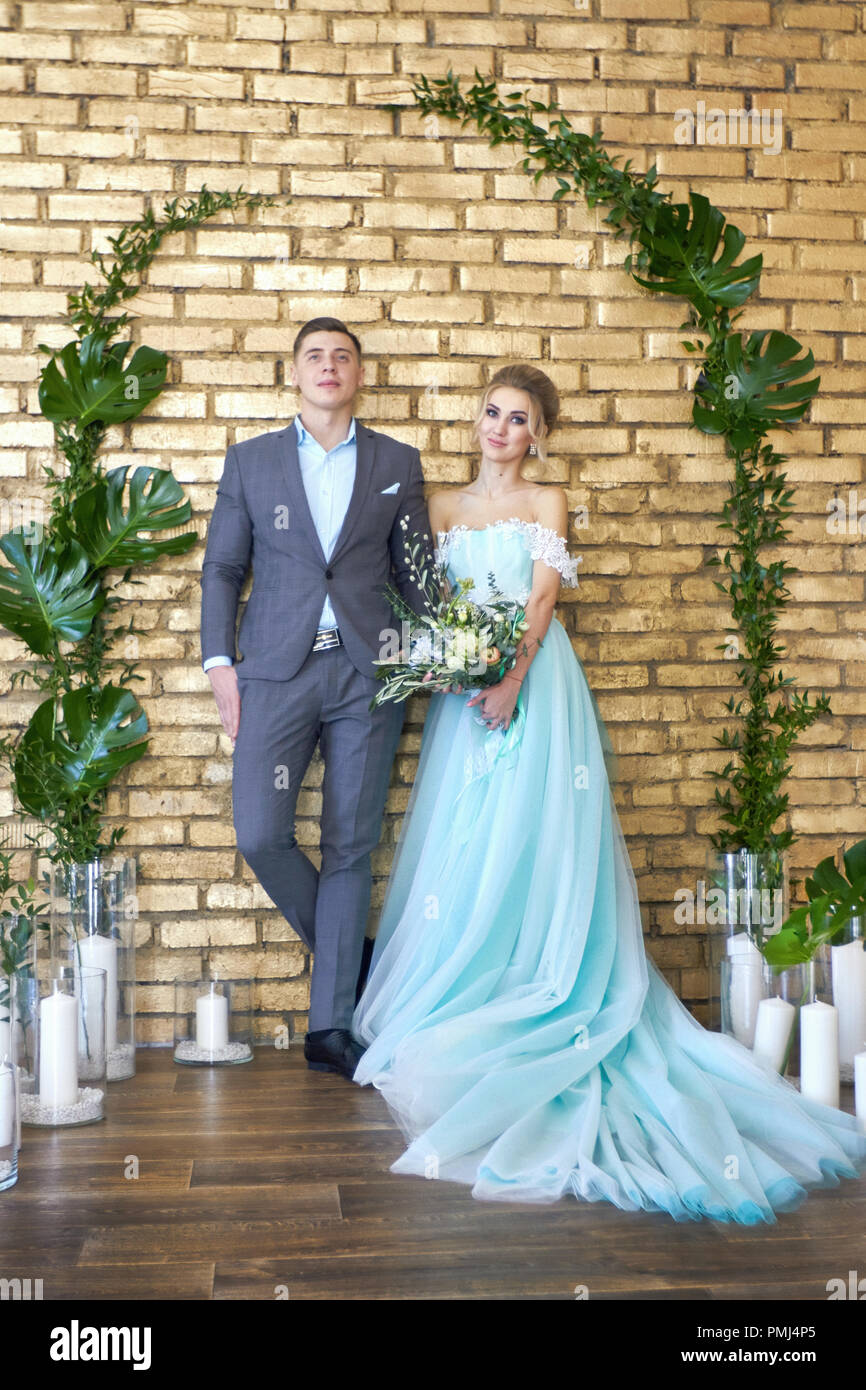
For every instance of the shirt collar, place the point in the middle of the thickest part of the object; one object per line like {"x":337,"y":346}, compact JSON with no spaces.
{"x":304,"y":434}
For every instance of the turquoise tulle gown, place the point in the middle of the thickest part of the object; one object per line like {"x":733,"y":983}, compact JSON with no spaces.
{"x":522,"y":1038}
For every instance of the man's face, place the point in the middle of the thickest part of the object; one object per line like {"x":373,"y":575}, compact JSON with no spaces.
{"x":326,"y":370}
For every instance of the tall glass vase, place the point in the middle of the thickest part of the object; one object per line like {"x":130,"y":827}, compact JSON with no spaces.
{"x":93,"y":915}
{"x":745,"y":900}
{"x":10,"y":1110}
{"x":61,"y":1016}
{"x":777,"y":1026}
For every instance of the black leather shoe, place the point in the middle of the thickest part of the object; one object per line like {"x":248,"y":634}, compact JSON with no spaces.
{"x":333,"y":1049}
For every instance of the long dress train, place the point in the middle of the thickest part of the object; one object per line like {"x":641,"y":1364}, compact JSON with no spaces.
{"x":522,"y":1038}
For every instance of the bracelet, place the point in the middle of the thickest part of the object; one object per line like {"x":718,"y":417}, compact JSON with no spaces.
{"x":509,"y":677}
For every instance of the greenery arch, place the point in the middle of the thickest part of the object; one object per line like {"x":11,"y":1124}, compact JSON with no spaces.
{"x":747,"y":387}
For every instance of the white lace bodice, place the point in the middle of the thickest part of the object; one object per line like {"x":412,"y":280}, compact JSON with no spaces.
{"x":539,"y":542}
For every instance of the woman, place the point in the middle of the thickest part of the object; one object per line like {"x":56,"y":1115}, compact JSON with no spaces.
{"x":521,"y":1036}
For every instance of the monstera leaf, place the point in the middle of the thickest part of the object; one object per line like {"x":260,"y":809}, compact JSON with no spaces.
{"x":95,"y":384}
{"x":68,"y":761}
{"x":111,"y":536}
{"x":755,"y":395}
{"x":834,"y":899}
{"x":681,"y":257}
{"x":45,"y":595}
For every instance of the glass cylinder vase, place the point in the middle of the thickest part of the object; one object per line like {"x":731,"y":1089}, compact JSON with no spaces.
{"x":777,"y":1024}
{"x":10,"y":1111}
{"x":212,"y":1023}
{"x":743,"y":901}
{"x":93,"y":917}
{"x":62,"y":1017}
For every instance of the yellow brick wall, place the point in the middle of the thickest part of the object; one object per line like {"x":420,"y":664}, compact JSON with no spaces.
{"x":448,"y":261}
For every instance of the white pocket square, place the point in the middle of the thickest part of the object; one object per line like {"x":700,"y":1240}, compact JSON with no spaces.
{"x":393,"y":488}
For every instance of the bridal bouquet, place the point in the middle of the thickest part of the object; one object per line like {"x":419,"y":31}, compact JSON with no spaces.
{"x":457,"y":642}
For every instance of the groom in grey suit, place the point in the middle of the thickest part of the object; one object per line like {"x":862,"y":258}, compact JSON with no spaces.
{"x":319,"y":509}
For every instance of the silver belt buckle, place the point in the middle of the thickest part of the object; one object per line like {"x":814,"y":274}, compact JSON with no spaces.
{"x":327,"y":637}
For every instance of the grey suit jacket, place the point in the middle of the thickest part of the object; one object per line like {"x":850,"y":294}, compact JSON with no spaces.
{"x":262,"y":517}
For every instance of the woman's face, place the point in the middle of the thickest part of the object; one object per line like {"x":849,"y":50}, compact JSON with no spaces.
{"x":504,"y":429}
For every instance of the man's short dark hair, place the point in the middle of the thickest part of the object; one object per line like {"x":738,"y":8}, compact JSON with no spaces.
{"x":324,"y":325}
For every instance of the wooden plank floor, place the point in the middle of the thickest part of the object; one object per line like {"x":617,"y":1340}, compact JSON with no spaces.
{"x":268,"y":1175}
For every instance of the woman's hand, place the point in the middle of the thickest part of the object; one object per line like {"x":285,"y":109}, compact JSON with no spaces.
{"x":498,"y":703}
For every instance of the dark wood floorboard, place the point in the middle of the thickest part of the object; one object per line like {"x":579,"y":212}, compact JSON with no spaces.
{"x":269,"y":1179}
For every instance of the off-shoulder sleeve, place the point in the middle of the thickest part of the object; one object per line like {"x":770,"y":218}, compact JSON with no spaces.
{"x":547,"y":545}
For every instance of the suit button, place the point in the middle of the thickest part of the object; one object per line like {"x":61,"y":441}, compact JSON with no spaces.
{"x":329,"y":574}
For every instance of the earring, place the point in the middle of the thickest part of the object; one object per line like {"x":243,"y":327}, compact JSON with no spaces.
{"x":532,"y":449}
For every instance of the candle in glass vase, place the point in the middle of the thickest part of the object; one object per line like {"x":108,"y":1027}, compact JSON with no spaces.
{"x":746,"y":986}
{"x":211,"y":1021}
{"x":7,"y":1104}
{"x":772,"y":1031}
{"x":848,"y":963}
{"x":819,"y":1052}
{"x":5,"y":1036}
{"x":100,"y":952}
{"x":58,"y":1050}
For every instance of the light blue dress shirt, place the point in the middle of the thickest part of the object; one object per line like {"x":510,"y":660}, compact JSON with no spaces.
{"x":328,"y":477}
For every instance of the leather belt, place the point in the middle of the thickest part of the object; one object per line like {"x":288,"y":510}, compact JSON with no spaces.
{"x":327,"y":637}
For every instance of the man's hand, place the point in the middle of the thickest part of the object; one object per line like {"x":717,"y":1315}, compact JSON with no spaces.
{"x":224,"y":684}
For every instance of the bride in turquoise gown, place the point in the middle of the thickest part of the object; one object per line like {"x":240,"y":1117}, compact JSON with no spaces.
{"x":522,"y":1038}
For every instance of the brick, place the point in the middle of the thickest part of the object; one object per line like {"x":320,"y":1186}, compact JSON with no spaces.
{"x":197,"y":82}
{"x":380,"y":152}
{"x":40,"y":15}
{"x":442,"y":309}
{"x":398,"y":213}
{"x":334,"y":183}
{"x":300,"y":87}
{"x":390,"y":278}
{"x":239,"y":53}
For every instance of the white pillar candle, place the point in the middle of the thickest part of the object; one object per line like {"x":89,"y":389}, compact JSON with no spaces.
{"x":860,"y":1088}
{"x":100,"y":952}
{"x":746,"y":986}
{"x":58,"y":1050}
{"x":7,"y":1104}
{"x":773,"y":1031}
{"x":848,"y":963}
{"x":211,"y":1021}
{"x":819,"y":1052}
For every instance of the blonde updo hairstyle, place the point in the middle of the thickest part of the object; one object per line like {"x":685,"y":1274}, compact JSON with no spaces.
{"x":543,"y":400}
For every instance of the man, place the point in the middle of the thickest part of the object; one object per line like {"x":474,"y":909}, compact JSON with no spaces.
{"x":318,"y":508}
